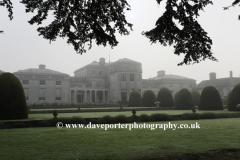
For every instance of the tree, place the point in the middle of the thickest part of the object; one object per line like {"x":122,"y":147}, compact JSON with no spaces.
{"x":228,"y":98}
{"x":175,"y":98}
{"x":234,"y":98}
{"x":8,"y":5}
{"x":195,"y":97}
{"x":165,"y":98}
{"x":83,"y":21}
{"x":184,"y":100}
{"x":12,"y":99}
{"x":210,"y":99}
{"x":135,"y":99}
{"x":148,"y":99}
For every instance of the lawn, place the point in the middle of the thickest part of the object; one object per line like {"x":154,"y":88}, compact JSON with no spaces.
{"x":91,"y":108}
{"x":63,"y":144}
{"x":113,"y":114}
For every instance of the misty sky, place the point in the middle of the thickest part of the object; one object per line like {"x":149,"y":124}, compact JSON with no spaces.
{"x":22,"y":48}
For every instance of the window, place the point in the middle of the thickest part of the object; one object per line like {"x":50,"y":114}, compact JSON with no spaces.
{"x":42,"y":83}
{"x":42,"y":94}
{"x":131,"y":77}
{"x":58,"y":83}
{"x":58,"y":94}
{"x":25,"y":82}
{"x":180,"y":85}
{"x":123,"y":77}
{"x":100,"y":73}
{"x":26,"y":93}
{"x":170,"y":85}
{"x":100,"y":84}
{"x":93,"y":72}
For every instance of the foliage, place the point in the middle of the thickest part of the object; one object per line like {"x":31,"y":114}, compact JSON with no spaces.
{"x":148,"y":99}
{"x":191,"y":116}
{"x":184,"y":100}
{"x":81,"y":21}
{"x":12,"y":98}
{"x":208,"y":116}
{"x":228,"y":98}
{"x":165,"y":98}
{"x":191,"y":40}
{"x":175,"y":98}
{"x":8,"y":5}
{"x":135,"y":99}
{"x":144,"y":118}
{"x":160,"y":117}
{"x":210,"y":99}
{"x":195,"y":97}
{"x":234,"y":98}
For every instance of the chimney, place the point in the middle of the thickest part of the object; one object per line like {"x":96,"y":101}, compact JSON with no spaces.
{"x":102,"y":61}
{"x":230,"y":74}
{"x":160,"y":73}
{"x":42,"y":66}
{"x":212,"y":75}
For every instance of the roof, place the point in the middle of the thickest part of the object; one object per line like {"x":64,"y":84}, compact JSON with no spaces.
{"x":222,"y":82}
{"x":36,"y":71}
{"x":96,"y":64}
{"x":170,"y":77}
{"x":93,"y":64}
{"x":125,"y":60}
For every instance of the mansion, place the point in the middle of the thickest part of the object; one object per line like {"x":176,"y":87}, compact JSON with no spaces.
{"x":97,"y":82}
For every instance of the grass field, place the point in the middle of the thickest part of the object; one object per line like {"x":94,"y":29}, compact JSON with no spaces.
{"x":66,"y":144}
{"x":113,"y":114}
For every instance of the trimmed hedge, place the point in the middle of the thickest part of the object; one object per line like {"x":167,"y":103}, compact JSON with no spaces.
{"x":148,"y":99}
{"x":210,"y":99}
{"x":195,"y":97}
{"x":184,"y":100}
{"x":165,"y":98}
{"x":135,"y":99}
{"x":235,"y":98}
{"x":228,"y":99}
{"x":12,"y":98}
{"x":175,"y":98}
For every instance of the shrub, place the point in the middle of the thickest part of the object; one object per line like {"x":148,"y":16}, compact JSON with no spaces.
{"x":12,"y":98}
{"x":107,"y":120}
{"x":45,"y":123}
{"x":165,"y":98}
{"x":190,"y":116}
{"x":121,"y":119}
{"x":210,"y":99}
{"x":135,"y":99}
{"x":184,"y":100}
{"x":160,"y":117}
{"x":208,"y":116}
{"x":148,"y":99}
{"x":234,"y":98}
{"x":195,"y":97}
{"x":144,"y":118}
{"x":175,"y":97}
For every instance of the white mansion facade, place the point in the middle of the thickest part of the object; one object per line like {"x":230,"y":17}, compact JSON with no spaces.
{"x":97,"y":82}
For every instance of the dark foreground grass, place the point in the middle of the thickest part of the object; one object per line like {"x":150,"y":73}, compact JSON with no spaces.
{"x":64,"y":144}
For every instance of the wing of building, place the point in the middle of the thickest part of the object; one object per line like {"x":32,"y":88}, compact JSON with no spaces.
{"x":223,"y":85}
{"x":97,"y":82}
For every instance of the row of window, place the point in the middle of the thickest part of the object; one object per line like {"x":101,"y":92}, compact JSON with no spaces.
{"x":42,"y":82}
{"x":132,"y":77}
{"x":42,"y":92}
{"x":100,"y":73}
